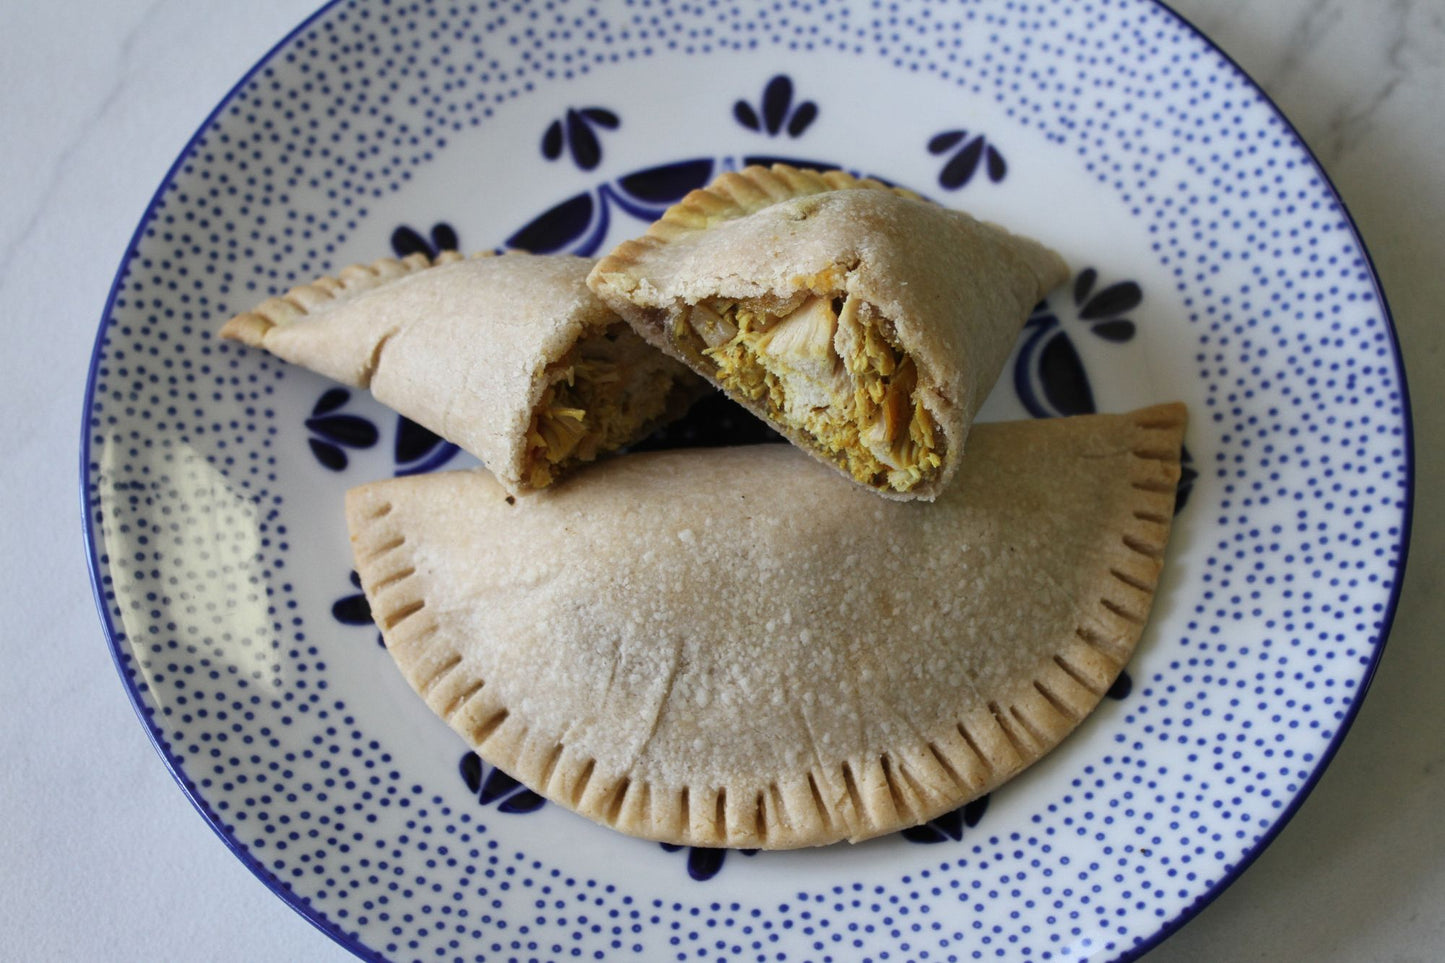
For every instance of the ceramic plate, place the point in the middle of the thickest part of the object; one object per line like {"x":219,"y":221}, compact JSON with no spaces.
{"x":1213,"y":263}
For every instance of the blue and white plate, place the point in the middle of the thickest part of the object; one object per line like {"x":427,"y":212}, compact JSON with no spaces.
{"x":1213,"y":262}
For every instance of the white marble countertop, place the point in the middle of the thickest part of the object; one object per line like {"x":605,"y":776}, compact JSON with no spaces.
{"x":101,"y":857}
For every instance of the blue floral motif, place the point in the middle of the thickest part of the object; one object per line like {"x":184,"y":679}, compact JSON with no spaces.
{"x":1104,"y":309}
{"x":579,"y":224}
{"x":705,"y":862}
{"x":950,"y":826}
{"x":494,"y":786}
{"x":965,"y":160}
{"x":777,"y":111}
{"x":418,"y":450}
{"x":354,"y":609}
{"x":332,"y":431}
{"x":1048,"y":376}
{"x":406,"y":241}
{"x":575,"y":132}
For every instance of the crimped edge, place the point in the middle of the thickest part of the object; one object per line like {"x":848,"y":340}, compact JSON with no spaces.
{"x":732,"y":195}
{"x":250,"y":327}
{"x":870,"y":796}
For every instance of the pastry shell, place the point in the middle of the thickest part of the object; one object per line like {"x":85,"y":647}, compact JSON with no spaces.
{"x":684,"y":647}
{"x":464,"y":346}
{"x":951,"y":292}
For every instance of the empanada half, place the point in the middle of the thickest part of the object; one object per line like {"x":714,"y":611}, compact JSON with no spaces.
{"x":733,"y":647}
{"x":510,"y":357}
{"x":864,"y":323}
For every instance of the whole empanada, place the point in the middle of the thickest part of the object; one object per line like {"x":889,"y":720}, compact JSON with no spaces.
{"x":511,"y":357}
{"x":734,"y":647}
{"x":864,"y":323}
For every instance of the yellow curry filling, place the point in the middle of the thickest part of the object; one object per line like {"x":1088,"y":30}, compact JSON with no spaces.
{"x":823,"y":365}
{"x":599,"y":397}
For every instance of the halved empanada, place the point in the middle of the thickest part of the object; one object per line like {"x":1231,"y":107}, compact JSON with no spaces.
{"x":733,"y":647}
{"x":864,"y":323}
{"x":510,"y":357}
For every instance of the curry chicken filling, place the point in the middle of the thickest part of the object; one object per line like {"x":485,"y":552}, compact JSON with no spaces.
{"x":826,"y":366}
{"x":599,"y":397}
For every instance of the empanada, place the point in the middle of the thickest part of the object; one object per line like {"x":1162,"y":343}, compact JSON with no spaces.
{"x":734,"y":647}
{"x":864,"y":323}
{"x":512,"y":357}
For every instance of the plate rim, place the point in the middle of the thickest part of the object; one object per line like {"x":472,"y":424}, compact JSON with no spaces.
{"x":297,"y":903}
{"x":318,"y":919}
{"x":1392,"y":604}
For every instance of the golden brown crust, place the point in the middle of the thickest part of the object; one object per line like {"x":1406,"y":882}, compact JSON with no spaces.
{"x":600,"y":641}
{"x":737,"y":194}
{"x":951,"y":291}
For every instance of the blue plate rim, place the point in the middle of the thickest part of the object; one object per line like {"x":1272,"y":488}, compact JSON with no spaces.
{"x":308,"y":912}
{"x":319,"y":919}
{"x":1407,"y":518}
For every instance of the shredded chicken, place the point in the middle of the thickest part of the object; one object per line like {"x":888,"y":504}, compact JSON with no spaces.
{"x":598,"y":398}
{"x":820,"y":365}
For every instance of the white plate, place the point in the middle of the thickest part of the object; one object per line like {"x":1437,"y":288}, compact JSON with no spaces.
{"x":1214,"y":264}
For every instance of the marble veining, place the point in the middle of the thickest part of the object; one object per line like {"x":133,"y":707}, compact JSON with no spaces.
{"x":1361,"y":53}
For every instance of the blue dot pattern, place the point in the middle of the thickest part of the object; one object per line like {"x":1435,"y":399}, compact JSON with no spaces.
{"x":194,"y":461}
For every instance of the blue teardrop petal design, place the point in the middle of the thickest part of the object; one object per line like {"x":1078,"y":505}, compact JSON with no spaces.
{"x":602,"y":117}
{"x":704,"y":864}
{"x":775,"y":113}
{"x":552,"y":141}
{"x":471,"y":769}
{"x":743,"y":111}
{"x":586,"y":150}
{"x":496,"y":785}
{"x":522,"y":802}
{"x":353,"y":431}
{"x":444,"y":238}
{"x":1118,"y":331}
{"x":405,"y":242}
{"x":777,"y":98}
{"x":997,"y":167}
{"x":328,"y":454}
{"x":332,"y":399}
{"x":352,"y":610}
{"x":959,"y":170}
{"x":940,"y":143}
{"x":802,"y":118}
{"x":492,"y":785}
{"x":1113,"y":301}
